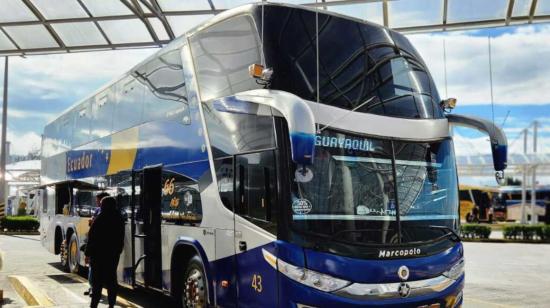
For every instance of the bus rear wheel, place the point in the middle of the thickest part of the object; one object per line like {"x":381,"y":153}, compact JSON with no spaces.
{"x":72,"y":255}
{"x":194,"y":293}
{"x":63,"y":256}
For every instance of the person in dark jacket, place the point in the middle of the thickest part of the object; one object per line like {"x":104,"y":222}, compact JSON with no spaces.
{"x":105,"y":244}
{"x":98,"y":198}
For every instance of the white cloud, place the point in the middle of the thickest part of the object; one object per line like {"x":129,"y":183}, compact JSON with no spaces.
{"x":465,"y":146}
{"x":520,"y":73}
{"x":54,"y":77}
{"x":24,"y":114}
{"x":22,"y":143}
{"x":81,"y":66}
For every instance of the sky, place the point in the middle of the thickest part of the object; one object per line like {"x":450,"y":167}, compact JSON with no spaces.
{"x":41,"y":87}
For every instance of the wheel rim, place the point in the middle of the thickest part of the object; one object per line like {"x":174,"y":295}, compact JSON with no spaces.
{"x":73,"y":250}
{"x":194,"y":291}
{"x":63,"y":254}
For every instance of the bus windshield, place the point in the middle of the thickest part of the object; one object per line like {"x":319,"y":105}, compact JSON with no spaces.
{"x":348,"y":194}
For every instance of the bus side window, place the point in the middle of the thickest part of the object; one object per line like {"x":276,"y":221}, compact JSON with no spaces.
{"x":63,"y":199}
{"x":164,"y":93}
{"x":121,"y":189}
{"x":84,"y":203}
{"x":43,"y":198}
{"x":224,"y":174}
{"x":256,"y":189}
{"x":181,"y":202}
{"x":137,"y":201}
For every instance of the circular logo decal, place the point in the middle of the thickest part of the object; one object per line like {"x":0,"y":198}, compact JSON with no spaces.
{"x":403,"y":272}
{"x":301,"y":206}
{"x":404,"y":289}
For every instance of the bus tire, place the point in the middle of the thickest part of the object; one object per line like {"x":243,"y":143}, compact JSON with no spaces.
{"x":63,"y":256}
{"x":72,"y":254}
{"x":194,"y":293}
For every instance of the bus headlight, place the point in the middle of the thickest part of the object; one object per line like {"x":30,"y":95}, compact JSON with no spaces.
{"x":455,"y":271}
{"x":311,"y":278}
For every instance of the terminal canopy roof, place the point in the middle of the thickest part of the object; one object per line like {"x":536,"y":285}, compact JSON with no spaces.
{"x":52,"y":26}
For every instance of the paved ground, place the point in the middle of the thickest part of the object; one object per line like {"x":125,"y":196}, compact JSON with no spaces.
{"x":25,"y":256}
{"x":507,"y":275}
{"x":497,"y":275}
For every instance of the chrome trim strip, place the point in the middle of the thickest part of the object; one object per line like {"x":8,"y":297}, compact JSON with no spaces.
{"x":386,"y":161}
{"x":367,"y":217}
{"x":383,"y":126}
{"x":391,"y":290}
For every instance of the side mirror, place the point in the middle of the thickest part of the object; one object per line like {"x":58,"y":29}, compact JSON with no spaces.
{"x":499,"y":144}
{"x":301,"y":123}
{"x":448,"y":104}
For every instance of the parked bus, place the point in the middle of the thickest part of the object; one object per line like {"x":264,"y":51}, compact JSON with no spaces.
{"x":261,"y":167}
{"x":512,"y":195}
{"x":481,"y":204}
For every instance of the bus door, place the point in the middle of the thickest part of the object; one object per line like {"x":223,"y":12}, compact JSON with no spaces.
{"x":255,"y":201}
{"x":147,"y":236}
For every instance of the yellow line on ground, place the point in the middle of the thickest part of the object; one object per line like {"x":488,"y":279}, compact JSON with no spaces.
{"x":488,"y":303}
{"x":32,"y":295}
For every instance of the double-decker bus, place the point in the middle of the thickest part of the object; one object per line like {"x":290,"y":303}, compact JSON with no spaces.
{"x":274,"y":156}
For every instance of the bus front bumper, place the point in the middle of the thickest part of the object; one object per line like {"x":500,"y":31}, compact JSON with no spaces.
{"x":294,"y":294}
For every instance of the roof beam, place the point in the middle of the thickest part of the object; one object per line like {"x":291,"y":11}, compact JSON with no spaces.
{"x":40,"y":17}
{"x":509,"y":12}
{"x":49,"y":50}
{"x":91,"y":18}
{"x":471,"y":24}
{"x":532,"y":10}
{"x":85,"y":8}
{"x":445,"y":13}
{"x":154,"y":7}
{"x":136,"y":9}
{"x":11,"y":39}
{"x":385,"y":13}
{"x":341,"y":2}
{"x":66,"y":20}
{"x":212,"y":7}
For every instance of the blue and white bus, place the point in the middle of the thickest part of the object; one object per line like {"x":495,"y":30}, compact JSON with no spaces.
{"x":274,"y":156}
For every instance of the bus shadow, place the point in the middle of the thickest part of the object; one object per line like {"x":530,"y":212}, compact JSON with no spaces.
{"x":57,"y":266}
{"x":146,"y":298}
{"x":29,"y":237}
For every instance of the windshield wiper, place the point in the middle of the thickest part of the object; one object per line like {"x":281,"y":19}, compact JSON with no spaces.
{"x":451,"y":232}
{"x":335,"y":235}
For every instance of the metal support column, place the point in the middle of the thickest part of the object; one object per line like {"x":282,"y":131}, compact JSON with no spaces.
{"x":534,"y":216}
{"x":524,"y":181}
{"x":3,"y":193}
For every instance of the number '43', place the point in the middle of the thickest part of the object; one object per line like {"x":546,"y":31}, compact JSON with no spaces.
{"x":257,"y":283}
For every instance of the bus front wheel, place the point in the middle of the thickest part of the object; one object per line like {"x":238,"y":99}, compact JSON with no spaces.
{"x":194,"y":293}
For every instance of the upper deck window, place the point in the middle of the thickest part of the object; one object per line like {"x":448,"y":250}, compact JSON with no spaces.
{"x":222,"y":54}
{"x":361,"y":67}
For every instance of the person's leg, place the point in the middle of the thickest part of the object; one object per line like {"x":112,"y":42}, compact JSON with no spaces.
{"x":112,"y":283}
{"x":97,"y":283}
{"x":89,"y":292}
